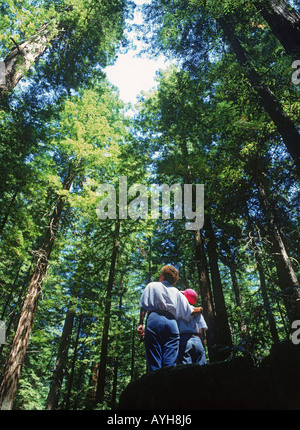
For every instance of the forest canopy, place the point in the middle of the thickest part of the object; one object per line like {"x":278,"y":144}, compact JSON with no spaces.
{"x":224,"y":115}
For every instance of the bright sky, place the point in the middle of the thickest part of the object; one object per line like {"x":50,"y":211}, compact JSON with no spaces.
{"x":132,"y":74}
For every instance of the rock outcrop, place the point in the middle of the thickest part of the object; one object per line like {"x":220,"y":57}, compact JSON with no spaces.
{"x":230,"y":385}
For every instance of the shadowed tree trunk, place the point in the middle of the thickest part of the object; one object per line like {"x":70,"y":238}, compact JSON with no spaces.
{"x":284,"y":22}
{"x":206,"y":297}
{"x":61,"y":361}
{"x":264,"y":294}
{"x":286,"y":128}
{"x":104,"y":344}
{"x":73,"y":362}
{"x":17,"y":353}
{"x":287,"y":278}
{"x":220,"y":306}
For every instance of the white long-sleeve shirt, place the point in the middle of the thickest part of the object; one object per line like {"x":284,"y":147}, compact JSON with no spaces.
{"x":162,"y":296}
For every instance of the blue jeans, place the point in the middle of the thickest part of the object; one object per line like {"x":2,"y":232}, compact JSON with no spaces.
{"x":161,"y":340}
{"x":191,"y":349}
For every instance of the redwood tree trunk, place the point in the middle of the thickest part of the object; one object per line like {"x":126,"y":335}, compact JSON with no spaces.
{"x":17,"y":353}
{"x":206,"y":296}
{"x":266,"y":98}
{"x":61,"y":361}
{"x":23,"y":56}
{"x":237,"y":294}
{"x":284,"y":21}
{"x":220,"y":306}
{"x":104,"y":344}
{"x":264,"y":294}
{"x":287,"y":278}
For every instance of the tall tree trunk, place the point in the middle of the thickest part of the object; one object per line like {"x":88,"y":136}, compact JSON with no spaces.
{"x":264,"y":293}
{"x":237,"y":295}
{"x":206,"y":296}
{"x":72,"y":371}
{"x":104,"y":344}
{"x":287,"y":278}
{"x":24,"y":55}
{"x":266,"y":98}
{"x":133,"y":336}
{"x":93,"y":386}
{"x":14,"y":316}
{"x":17,"y":353}
{"x":61,"y":361}
{"x":113,"y":402}
{"x":284,"y":21}
{"x":11,"y":293}
{"x":219,"y":301}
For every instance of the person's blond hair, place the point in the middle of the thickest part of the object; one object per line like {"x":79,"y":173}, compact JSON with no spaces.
{"x":170,"y":274}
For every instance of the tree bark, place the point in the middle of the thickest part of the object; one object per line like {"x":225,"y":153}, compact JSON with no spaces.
{"x":219,"y":301}
{"x":113,"y":402}
{"x":17,"y":353}
{"x":286,"y":128}
{"x":23,"y":56}
{"x":284,"y":22}
{"x":264,"y":294}
{"x":93,"y":385}
{"x":104,"y":345}
{"x":237,"y":295}
{"x":287,"y":278}
{"x":72,"y":371}
{"x":206,"y":296}
{"x":61,"y":361}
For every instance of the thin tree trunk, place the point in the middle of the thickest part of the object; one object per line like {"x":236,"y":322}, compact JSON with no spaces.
{"x":287,"y":278}
{"x":266,"y":98}
{"x":104,"y":344}
{"x":93,"y":385}
{"x":17,"y":353}
{"x":238,"y":296}
{"x":133,"y":336}
{"x":284,"y":22}
{"x":264,"y":293}
{"x":219,"y":301}
{"x":115,"y":383}
{"x":61,"y":361}
{"x":206,"y":296}
{"x":116,"y":361}
{"x":71,"y":377}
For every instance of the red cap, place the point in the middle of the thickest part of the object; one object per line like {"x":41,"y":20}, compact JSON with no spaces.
{"x":191,"y":295}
